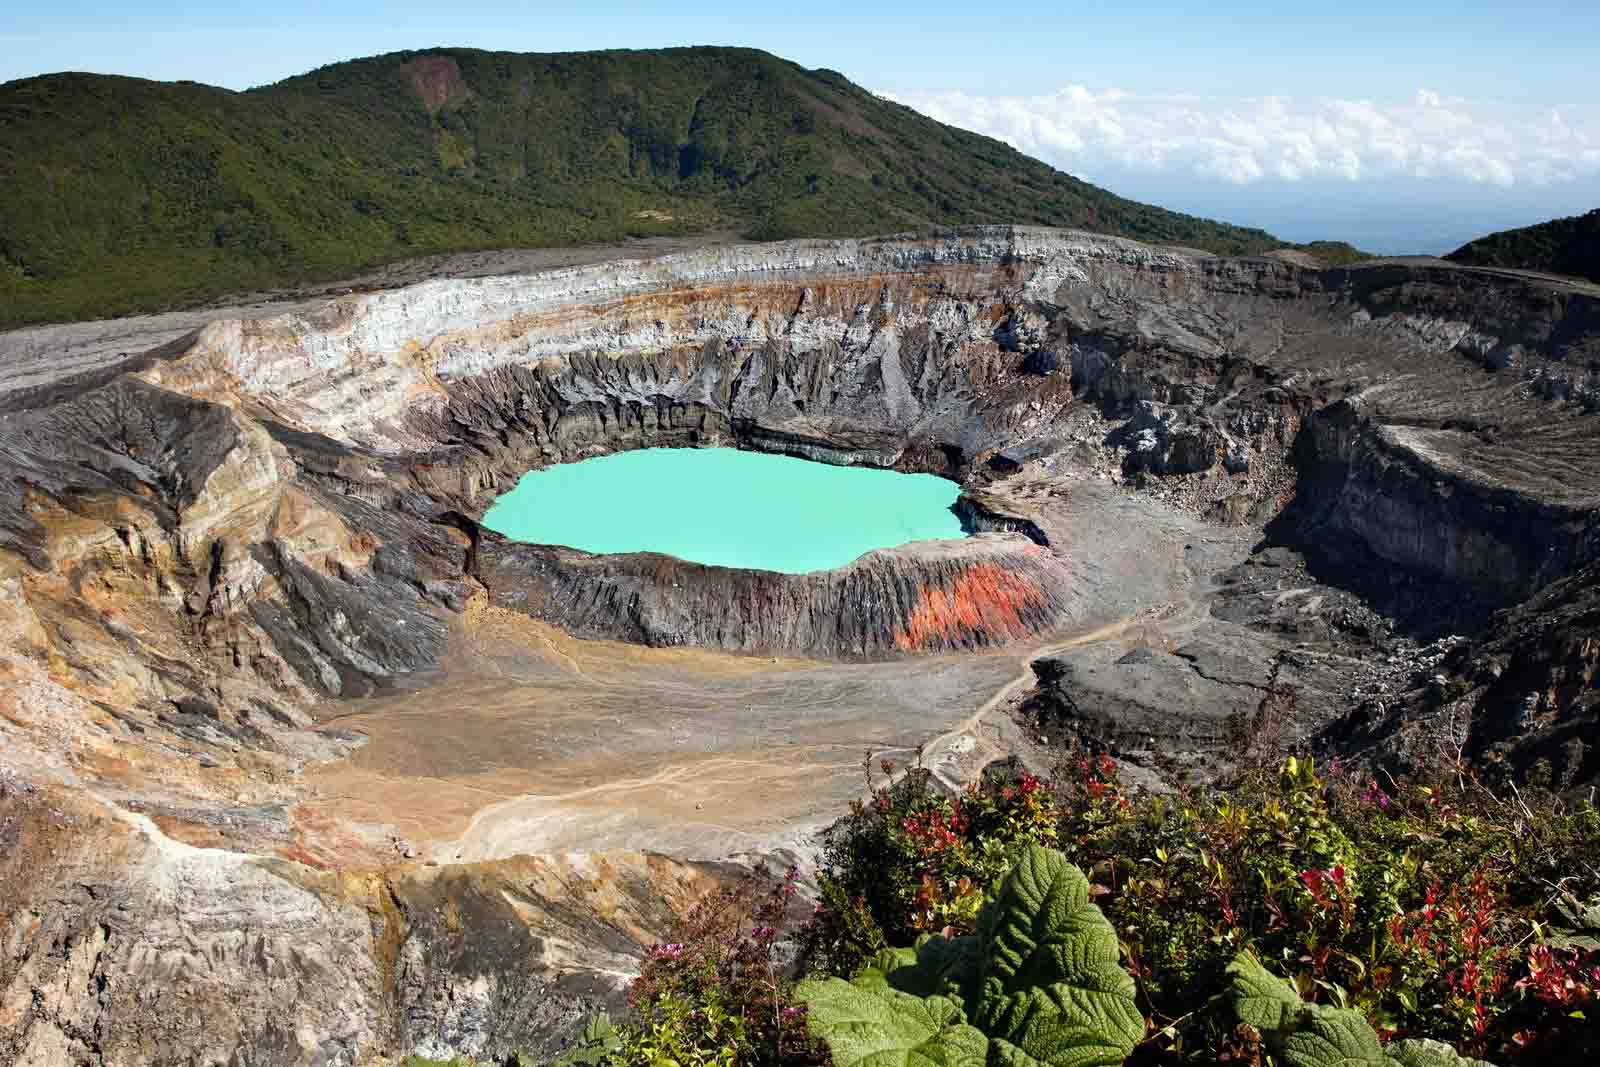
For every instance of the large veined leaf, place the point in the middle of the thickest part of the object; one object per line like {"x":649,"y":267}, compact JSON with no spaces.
{"x":1330,"y":1037}
{"x":878,"y":1026}
{"x":954,"y":966}
{"x":1261,"y":998}
{"x":1052,"y":991}
{"x":901,"y":962}
{"x":1418,"y":1053}
{"x":1314,"y":1035}
{"x":1301,"y":1034}
{"x":1040,"y":978}
{"x":938,"y":966}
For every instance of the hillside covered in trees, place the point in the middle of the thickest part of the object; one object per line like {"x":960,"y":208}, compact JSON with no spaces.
{"x":1568,"y":246}
{"x":124,"y":195}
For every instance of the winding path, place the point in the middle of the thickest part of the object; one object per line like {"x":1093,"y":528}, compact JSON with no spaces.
{"x":710,"y":800}
{"x":1177,"y":615}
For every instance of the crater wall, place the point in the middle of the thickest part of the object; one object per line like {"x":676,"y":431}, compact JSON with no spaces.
{"x":263,"y":500}
{"x":927,"y":597}
{"x":200,"y":545}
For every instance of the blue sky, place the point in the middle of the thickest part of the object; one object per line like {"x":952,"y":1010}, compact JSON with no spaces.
{"x":1407,"y":126}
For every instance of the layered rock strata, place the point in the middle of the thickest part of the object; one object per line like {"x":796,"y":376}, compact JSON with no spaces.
{"x":202,"y":544}
{"x":937,"y":597}
{"x":122,"y":946}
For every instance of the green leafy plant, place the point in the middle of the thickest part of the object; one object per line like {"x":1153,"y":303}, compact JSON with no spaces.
{"x":912,"y":860}
{"x":717,"y":995}
{"x":677,"y":1032}
{"x":1438,"y":908}
{"x":1320,"y":1035}
{"x":1415,"y":903}
{"x":1298,"y":917}
{"x":599,"y":1042}
{"x":1038,"y":983}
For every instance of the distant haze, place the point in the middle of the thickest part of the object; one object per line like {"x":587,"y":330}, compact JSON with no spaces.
{"x":1421,"y":175}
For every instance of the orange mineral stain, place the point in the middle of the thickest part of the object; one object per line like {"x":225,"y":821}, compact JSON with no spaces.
{"x":987,"y":599}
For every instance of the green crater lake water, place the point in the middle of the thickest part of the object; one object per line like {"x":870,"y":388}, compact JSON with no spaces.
{"x":727,"y":507}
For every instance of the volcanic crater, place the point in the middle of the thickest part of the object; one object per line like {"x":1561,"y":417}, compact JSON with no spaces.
{"x":293,"y":744}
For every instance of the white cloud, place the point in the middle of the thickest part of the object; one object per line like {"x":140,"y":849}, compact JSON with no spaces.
{"x":1246,"y":140}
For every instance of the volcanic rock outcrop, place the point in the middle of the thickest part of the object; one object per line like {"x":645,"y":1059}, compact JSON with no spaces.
{"x":205,"y":547}
{"x":989,"y":590}
{"x":123,"y":946}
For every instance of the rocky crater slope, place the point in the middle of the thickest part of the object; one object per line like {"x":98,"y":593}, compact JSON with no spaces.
{"x":1198,"y":481}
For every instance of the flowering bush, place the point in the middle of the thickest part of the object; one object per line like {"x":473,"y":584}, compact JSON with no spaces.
{"x":1422,"y":906}
{"x":718,"y":995}
{"x":914,"y":860}
{"x":1399,"y":914}
{"x":1415,"y":904}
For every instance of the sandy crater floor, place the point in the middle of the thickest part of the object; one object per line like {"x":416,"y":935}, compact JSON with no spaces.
{"x":535,"y":742}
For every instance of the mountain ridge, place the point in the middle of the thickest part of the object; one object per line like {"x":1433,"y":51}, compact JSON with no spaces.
{"x":1569,"y":246}
{"x":126,"y":195}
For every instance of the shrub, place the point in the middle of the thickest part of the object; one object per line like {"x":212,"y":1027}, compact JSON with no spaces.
{"x":912,"y":860}
{"x":1038,"y":983}
{"x":1423,"y":906}
{"x":717,"y":995}
{"x":1414,"y":904}
{"x":1315,"y":1035}
{"x":1391,"y":923}
{"x":600,"y":1041}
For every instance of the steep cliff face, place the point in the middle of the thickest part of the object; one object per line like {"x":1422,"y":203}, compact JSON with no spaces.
{"x":938,"y":597}
{"x":1402,"y":494}
{"x":123,"y":946}
{"x":1522,"y":695}
{"x":202,"y":544}
{"x":282,"y":510}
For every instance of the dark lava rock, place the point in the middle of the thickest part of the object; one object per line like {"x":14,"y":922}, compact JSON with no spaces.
{"x":925,"y":597}
{"x":1042,"y":361}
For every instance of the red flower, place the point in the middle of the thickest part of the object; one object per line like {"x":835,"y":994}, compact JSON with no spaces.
{"x":1314,"y":879}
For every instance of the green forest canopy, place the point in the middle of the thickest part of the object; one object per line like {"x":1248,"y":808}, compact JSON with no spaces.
{"x":124,"y":195}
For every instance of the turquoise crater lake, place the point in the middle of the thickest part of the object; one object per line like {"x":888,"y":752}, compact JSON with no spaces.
{"x":726,"y":507}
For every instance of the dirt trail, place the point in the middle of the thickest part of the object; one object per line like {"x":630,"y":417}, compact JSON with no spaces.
{"x":707,"y":804}
{"x":700,"y":806}
{"x":946,"y":749}
{"x":672,"y":774}
{"x":970,"y":725}
{"x":579,"y":745}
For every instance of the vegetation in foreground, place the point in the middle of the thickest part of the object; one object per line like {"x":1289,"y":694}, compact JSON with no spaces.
{"x":1294,"y":917}
{"x":124,"y":195}
{"x":1568,"y":246}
